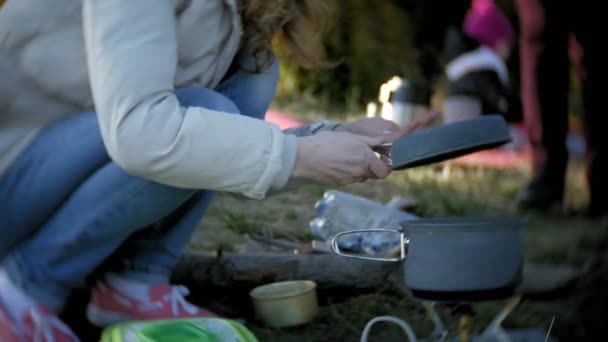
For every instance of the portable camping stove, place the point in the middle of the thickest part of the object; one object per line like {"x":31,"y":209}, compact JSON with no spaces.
{"x":464,"y":314}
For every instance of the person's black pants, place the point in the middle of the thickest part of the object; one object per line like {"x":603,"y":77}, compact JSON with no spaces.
{"x":546,"y":30}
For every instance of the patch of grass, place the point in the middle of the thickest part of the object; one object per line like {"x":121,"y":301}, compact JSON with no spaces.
{"x":291,"y":215}
{"x":239,"y":222}
{"x":316,"y":190}
{"x":452,"y":190}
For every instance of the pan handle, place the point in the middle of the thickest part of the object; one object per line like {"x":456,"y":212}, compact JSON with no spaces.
{"x":403,"y":242}
{"x":384,"y":150}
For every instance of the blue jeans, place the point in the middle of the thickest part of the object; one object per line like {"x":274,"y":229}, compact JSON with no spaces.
{"x":65,"y":207}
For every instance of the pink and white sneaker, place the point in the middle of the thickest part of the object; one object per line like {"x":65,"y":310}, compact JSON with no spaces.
{"x":108,"y":306}
{"x":37,"y":325}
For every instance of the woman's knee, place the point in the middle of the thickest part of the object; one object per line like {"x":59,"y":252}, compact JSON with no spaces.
{"x":206,"y":98}
{"x":262,"y":91}
{"x":251,"y":92}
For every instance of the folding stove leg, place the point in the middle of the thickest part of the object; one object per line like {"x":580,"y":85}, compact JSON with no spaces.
{"x":440,"y":333}
{"x":494,"y":331}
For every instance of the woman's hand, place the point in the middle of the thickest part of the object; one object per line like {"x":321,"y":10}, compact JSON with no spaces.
{"x":339,"y":158}
{"x":390,"y":131}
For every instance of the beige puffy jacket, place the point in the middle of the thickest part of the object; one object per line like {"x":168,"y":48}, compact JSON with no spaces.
{"x":124,"y":58}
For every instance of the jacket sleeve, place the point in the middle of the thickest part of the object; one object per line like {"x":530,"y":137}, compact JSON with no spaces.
{"x":132,"y":59}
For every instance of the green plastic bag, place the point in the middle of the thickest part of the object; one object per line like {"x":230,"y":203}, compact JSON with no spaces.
{"x":179,"y":330}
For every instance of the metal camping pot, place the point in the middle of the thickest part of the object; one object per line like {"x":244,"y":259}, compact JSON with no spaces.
{"x":408,"y":101}
{"x":456,"y":258}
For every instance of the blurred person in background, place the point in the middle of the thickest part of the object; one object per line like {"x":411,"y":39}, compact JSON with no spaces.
{"x":118,"y":120}
{"x":476,"y":69}
{"x":547,"y":28}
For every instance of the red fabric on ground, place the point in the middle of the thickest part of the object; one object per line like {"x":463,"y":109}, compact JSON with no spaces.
{"x":500,"y":159}
{"x":283,"y":120}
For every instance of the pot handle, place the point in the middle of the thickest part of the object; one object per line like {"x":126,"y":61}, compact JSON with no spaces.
{"x":403,"y":241}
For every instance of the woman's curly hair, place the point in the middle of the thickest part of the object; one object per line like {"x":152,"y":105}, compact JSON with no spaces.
{"x":297,"y":26}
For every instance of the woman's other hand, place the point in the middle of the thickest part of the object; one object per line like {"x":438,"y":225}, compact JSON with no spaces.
{"x":390,"y":131}
{"x":370,"y":127}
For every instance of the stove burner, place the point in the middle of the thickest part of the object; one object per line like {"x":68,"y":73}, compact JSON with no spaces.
{"x":493,"y":332}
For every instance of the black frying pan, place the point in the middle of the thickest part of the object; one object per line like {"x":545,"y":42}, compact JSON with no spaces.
{"x":447,"y":141}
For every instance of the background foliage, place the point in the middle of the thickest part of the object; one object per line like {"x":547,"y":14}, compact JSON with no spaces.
{"x":373,"y":41}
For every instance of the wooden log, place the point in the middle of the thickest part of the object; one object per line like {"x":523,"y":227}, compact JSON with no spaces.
{"x":330,"y":271}
{"x":327,"y":270}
